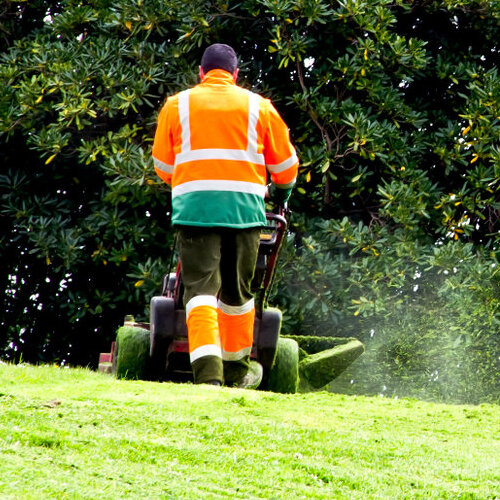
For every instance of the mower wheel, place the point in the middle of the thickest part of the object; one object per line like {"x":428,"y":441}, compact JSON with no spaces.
{"x":268,"y":335}
{"x":162,"y":317}
{"x":162,"y":325}
{"x":284,"y":374}
{"x":131,"y":352}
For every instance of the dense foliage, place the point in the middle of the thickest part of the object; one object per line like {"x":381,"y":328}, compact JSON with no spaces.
{"x":394,"y":107}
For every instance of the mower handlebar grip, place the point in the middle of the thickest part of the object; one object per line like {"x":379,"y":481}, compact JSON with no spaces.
{"x":281,"y":219}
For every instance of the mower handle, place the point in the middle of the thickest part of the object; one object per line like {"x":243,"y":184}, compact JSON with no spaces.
{"x":281,"y":224}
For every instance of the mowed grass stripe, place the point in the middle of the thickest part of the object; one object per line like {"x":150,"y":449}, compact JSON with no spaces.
{"x":73,"y":433}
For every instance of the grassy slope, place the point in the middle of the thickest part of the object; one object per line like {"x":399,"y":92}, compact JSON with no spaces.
{"x":79,"y":434}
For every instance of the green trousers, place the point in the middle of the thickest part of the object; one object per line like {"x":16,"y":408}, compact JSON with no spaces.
{"x":218,"y":262}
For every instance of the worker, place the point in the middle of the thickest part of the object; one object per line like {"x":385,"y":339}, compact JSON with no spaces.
{"x":215,"y":144}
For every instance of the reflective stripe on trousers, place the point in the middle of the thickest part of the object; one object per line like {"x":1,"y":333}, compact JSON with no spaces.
{"x":225,"y":331}
{"x":232,"y":320}
{"x":203,"y":328}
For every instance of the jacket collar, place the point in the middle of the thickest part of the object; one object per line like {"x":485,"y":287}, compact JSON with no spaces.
{"x":218,"y":77}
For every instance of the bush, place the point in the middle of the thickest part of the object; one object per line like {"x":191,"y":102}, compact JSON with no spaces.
{"x":393,"y":107}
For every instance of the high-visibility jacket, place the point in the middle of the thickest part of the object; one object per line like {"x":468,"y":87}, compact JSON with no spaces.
{"x":215,"y":145}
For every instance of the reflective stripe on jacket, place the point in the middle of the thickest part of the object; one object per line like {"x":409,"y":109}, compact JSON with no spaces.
{"x":215,"y":145}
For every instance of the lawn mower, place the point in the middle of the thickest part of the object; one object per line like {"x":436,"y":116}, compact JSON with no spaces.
{"x":159,"y":350}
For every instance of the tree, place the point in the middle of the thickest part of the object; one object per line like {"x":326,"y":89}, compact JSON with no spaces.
{"x":81,"y":243}
{"x":393,"y":106}
{"x":409,"y":130}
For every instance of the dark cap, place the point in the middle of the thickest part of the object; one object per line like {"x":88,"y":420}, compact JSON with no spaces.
{"x":219,"y":56}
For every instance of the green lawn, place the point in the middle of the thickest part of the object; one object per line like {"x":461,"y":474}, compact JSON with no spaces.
{"x":68,"y":433}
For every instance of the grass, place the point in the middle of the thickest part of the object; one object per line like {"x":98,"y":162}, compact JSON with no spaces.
{"x":73,"y":433}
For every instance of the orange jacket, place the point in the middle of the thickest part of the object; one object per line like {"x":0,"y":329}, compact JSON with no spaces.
{"x":215,"y":144}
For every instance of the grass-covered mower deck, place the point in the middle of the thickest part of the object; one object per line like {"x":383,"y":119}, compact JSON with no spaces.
{"x":159,"y":350}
